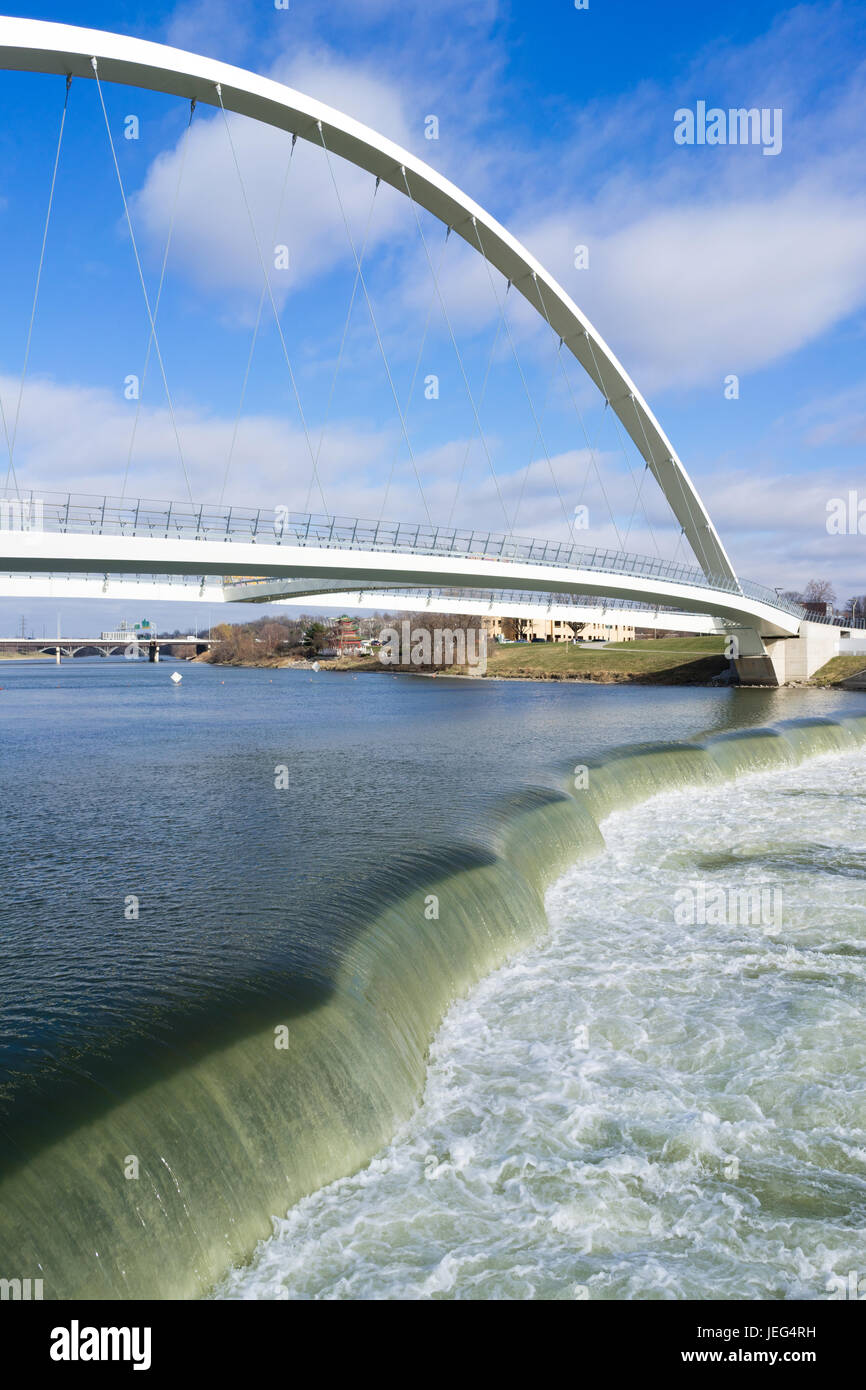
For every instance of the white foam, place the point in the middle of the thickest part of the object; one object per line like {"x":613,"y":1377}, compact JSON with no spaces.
{"x":636,"y":1108}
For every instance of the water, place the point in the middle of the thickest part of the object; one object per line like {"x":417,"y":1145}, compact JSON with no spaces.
{"x":168,"y":913}
{"x":636,"y":1109}
{"x":115,"y":784}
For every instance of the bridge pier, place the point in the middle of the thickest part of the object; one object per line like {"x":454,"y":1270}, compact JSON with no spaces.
{"x":784,"y":660}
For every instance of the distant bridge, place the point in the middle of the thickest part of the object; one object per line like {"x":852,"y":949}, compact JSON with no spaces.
{"x":129,"y":645}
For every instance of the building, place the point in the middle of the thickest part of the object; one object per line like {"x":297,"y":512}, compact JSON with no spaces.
{"x":124,"y":633}
{"x":347,"y":638}
{"x":556,"y":630}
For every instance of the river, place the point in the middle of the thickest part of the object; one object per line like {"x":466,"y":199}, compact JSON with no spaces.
{"x":236,"y":911}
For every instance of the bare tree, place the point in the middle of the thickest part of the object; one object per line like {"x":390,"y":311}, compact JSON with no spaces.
{"x":856,"y":606}
{"x":514,"y":629}
{"x":819,"y":591}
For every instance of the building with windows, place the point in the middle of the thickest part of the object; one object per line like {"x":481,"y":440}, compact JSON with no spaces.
{"x":555,"y":630}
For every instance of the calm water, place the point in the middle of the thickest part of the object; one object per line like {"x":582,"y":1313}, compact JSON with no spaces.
{"x":116,"y":785}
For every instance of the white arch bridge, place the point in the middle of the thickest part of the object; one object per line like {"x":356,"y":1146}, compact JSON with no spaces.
{"x":104,"y":547}
{"x":72,"y":544}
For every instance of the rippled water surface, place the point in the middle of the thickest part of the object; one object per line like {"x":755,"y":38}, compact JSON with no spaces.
{"x":637,"y":1108}
{"x":114,"y":783}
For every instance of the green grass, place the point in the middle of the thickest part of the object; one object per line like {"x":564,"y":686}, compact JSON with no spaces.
{"x":839,"y":668}
{"x":673,"y":659}
{"x":667,"y":660}
{"x":707,"y":643}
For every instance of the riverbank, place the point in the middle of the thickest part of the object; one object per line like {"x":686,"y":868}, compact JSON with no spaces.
{"x":647,"y":661}
{"x":664,"y":661}
{"x":669,"y":661}
{"x":845,"y":672}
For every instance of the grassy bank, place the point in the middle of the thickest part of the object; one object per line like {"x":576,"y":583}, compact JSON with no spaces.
{"x":666,"y":661}
{"x":841,"y":668}
{"x":649,"y":661}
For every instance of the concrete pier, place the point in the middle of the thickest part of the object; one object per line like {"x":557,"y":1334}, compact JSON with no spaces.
{"x":783,"y":660}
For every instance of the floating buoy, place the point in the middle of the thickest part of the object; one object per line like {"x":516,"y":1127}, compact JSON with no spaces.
{"x":176,"y":677}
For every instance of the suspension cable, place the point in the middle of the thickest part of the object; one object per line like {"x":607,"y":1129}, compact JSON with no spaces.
{"x":415,"y":372}
{"x":457,"y":353}
{"x":622,"y":446}
{"x":525,"y":478}
{"x":159,"y":356}
{"x":528,"y":393}
{"x":9,"y":469}
{"x":481,"y":397}
{"x":579,"y":414}
{"x":274,"y":310}
{"x":687,"y":504}
{"x":638,"y":501}
{"x":254,"y":339}
{"x":10,"y":440}
{"x":158,"y":299}
{"x":650,"y":467}
{"x":345,"y":333}
{"x":375,"y":328}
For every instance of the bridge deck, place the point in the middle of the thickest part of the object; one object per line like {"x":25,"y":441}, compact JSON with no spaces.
{"x":286,"y":537}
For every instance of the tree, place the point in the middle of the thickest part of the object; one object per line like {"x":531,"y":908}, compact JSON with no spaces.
{"x":514,"y":629}
{"x":315,"y":638}
{"x":819,"y":591}
{"x":273,"y":634}
{"x":856,"y":606}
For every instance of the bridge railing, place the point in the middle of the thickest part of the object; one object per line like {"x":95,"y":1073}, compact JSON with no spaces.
{"x":83,"y":514}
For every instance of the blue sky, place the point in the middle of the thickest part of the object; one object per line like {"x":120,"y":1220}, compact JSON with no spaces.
{"x":704,"y":262}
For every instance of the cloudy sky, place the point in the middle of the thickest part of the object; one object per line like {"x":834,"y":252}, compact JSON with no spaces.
{"x":702,"y":263}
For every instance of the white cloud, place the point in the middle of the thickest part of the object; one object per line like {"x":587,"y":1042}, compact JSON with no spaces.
{"x":78,"y":438}
{"x":686,"y":294}
{"x":212,"y":240}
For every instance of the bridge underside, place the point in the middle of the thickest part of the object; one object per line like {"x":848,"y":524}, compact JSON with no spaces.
{"x":348,"y":568}
{"x":761,"y":659}
{"x":300,"y":594}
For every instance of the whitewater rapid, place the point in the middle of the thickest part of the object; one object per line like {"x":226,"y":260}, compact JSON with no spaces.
{"x":637,"y":1107}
